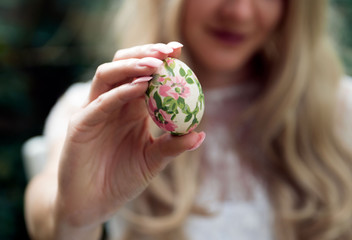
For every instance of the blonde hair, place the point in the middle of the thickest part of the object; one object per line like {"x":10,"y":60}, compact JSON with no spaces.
{"x":141,"y":22}
{"x":289,"y":134}
{"x":306,"y":166}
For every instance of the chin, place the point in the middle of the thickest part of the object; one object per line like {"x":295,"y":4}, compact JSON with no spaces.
{"x":224,"y":64}
{"x":224,"y":60}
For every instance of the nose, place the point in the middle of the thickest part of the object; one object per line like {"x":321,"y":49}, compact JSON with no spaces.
{"x":240,"y":10}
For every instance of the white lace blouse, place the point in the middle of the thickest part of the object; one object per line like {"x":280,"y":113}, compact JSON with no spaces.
{"x":226,"y":186}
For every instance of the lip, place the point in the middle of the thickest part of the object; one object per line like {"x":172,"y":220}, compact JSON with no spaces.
{"x":227,"y":37}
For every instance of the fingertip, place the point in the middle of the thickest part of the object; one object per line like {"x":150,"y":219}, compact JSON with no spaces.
{"x":175,"y":45}
{"x":139,"y":88}
{"x":150,"y":62}
{"x":141,"y":79}
{"x":171,"y":49}
{"x":169,"y":145}
{"x":162,"y":48}
{"x":200,"y":139}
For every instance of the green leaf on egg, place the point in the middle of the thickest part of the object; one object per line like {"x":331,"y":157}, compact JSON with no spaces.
{"x":176,"y":134}
{"x":170,"y":104}
{"x":158,"y":101}
{"x":196,"y":110}
{"x":172,"y":64}
{"x":156,"y":76}
{"x":189,"y":80}
{"x":201,"y":100}
{"x":182,"y":72}
{"x":170,"y":71}
{"x":168,"y":100}
{"x":149,"y":90}
{"x":188,"y":117}
{"x":165,"y":80}
{"x":170,"y":68}
{"x":173,"y":107}
{"x":181,"y":103}
{"x":186,"y":110}
{"x":194,"y":122}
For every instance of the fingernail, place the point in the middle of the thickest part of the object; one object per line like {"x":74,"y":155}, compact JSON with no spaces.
{"x":200,"y":141}
{"x":175,"y":45}
{"x":150,"y":62}
{"x":163,"y":48}
{"x":141,"y":79}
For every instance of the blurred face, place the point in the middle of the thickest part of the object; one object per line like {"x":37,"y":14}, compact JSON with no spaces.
{"x":222,"y":35}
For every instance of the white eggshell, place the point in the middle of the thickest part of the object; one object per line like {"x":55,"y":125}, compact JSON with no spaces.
{"x":174,"y":98}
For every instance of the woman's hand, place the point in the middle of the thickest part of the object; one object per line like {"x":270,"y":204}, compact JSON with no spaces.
{"x":109,"y":155}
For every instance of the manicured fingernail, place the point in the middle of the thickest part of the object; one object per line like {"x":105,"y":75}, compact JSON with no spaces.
{"x":150,"y":62}
{"x":175,"y":45}
{"x":163,"y":48}
{"x":200,"y":141}
{"x":141,"y":79}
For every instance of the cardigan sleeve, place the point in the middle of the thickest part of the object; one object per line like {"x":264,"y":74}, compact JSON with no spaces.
{"x":36,"y":150}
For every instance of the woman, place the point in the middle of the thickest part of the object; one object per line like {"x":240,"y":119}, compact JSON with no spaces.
{"x":275,"y":163}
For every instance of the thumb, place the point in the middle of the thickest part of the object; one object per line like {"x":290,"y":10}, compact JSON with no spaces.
{"x":168,"y":146}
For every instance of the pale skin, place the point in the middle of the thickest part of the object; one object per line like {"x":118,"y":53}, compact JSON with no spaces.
{"x":222,"y":36}
{"x":108,"y":156}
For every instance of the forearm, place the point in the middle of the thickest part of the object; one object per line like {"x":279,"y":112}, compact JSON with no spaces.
{"x":42,"y":218}
{"x":68,"y":232}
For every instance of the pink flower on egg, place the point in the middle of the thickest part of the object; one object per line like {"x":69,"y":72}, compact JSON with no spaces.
{"x":169,"y":61}
{"x":161,"y":79}
{"x":160,"y":117}
{"x":193,"y":127}
{"x":176,"y":87}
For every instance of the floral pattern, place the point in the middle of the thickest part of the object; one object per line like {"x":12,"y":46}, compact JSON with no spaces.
{"x":160,"y":117}
{"x":175,"y":98}
{"x":175,"y":87}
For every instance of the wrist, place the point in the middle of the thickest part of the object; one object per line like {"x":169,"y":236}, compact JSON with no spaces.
{"x":67,"y":225}
{"x":67,"y":232}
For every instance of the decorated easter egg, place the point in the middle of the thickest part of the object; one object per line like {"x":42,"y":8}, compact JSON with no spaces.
{"x":174,"y":98}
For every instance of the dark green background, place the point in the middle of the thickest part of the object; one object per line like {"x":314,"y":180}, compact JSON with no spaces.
{"x":46,"y":45}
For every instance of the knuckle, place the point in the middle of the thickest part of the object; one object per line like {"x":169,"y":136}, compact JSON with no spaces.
{"x":151,"y":50}
{"x":99,"y":73}
{"x":148,"y":47}
{"x":100,"y":99}
{"x":72,"y":120}
{"x":130,"y":66}
{"x":75,"y":125}
{"x":131,"y":62}
{"x":118,"y":54}
{"x":158,"y":45}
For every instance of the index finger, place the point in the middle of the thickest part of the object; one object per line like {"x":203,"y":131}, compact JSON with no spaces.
{"x":158,"y":50}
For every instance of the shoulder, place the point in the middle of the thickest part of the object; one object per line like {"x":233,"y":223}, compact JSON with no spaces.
{"x":37,"y":149}
{"x":345,"y":94}
{"x":346,"y":86}
{"x":72,"y":100}
{"x":75,"y":96}
{"x":344,"y":108}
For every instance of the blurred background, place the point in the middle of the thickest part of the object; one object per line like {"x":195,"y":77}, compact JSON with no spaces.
{"x":45,"y":46}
